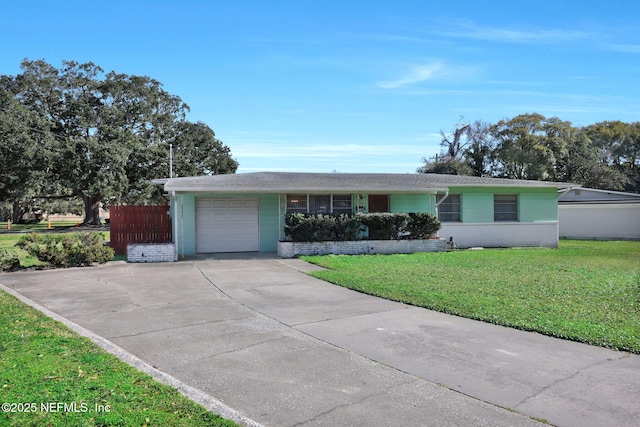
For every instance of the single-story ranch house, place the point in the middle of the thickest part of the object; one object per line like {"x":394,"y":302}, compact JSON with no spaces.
{"x":245,"y":212}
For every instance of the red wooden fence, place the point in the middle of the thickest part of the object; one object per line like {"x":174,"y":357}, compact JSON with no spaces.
{"x":138,"y":224}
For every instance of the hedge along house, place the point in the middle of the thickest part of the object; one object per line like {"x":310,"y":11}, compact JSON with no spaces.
{"x":245,"y":212}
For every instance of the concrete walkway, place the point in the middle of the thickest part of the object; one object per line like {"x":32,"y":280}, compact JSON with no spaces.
{"x":263,"y":343}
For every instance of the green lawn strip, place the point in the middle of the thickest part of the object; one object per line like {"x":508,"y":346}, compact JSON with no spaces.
{"x":44,"y":363}
{"x":8,"y":244}
{"x":584,"y":291}
{"x":37,"y":226}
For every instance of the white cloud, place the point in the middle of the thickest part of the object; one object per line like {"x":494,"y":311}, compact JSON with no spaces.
{"x":416,"y":74}
{"x":435,"y":70}
{"x":472,"y":31}
{"x":625,"y":48}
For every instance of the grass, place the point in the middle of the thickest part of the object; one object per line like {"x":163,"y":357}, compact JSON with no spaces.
{"x":585,"y":291}
{"x":43,"y":362}
{"x":8,"y":240}
{"x":43,"y":225}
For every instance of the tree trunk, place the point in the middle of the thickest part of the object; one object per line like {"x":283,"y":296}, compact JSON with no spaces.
{"x":18,"y":211}
{"x":91,"y":208}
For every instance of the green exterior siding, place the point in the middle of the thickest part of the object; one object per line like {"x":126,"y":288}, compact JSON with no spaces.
{"x":269,"y":222}
{"x":268,"y":217}
{"x":534,"y":204}
{"x":539,"y":206}
{"x":476,"y":206}
{"x":412,"y":203}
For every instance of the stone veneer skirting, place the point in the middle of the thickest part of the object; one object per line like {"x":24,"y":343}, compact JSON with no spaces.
{"x":356,"y":247}
{"x":151,"y":252}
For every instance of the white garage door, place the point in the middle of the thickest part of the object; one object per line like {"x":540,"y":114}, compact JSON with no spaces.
{"x":227,"y":225}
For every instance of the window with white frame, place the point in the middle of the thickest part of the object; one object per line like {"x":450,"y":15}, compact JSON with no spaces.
{"x":505,"y":207}
{"x":319,"y":203}
{"x":449,"y":209}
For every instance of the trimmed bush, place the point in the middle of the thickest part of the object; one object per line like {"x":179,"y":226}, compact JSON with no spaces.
{"x":385,"y":225}
{"x":68,"y":249}
{"x":301,"y":227}
{"x":320,"y":228}
{"x":422,"y":225}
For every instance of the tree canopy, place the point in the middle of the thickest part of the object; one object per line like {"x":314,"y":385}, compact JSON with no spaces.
{"x":76,"y":132}
{"x":605,"y":155}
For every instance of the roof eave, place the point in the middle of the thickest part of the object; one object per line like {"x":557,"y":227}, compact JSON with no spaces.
{"x":263,"y":190}
{"x":560,"y":185}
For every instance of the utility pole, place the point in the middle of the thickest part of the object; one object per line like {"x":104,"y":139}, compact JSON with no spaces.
{"x":170,"y":160}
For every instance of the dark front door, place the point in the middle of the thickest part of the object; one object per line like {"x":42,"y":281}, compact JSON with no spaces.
{"x":378,"y":203}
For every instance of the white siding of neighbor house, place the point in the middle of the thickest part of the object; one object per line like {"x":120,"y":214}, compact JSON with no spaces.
{"x":610,"y":221}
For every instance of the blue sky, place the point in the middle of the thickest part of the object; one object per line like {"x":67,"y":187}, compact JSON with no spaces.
{"x":349,"y":86}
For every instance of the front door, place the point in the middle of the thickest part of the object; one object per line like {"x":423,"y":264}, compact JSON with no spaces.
{"x":378,"y":203}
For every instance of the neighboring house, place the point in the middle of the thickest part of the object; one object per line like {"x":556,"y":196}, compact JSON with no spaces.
{"x":245,"y":212}
{"x":587,"y":213}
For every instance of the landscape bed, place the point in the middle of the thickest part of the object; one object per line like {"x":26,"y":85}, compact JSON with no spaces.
{"x":587,"y":291}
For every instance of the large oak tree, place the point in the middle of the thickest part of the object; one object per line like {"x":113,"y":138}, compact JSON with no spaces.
{"x":99,"y":137}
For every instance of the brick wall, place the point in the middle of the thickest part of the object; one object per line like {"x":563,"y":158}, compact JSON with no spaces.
{"x":291,"y":249}
{"x":150,"y":252}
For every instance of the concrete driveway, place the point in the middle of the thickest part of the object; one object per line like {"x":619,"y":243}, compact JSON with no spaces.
{"x":263,"y":343}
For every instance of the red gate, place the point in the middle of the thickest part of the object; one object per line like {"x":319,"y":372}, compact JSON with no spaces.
{"x":138,"y":224}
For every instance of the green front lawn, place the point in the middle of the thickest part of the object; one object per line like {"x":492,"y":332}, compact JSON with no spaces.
{"x":8,"y":245}
{"x":585,"y":291}
{"x":45,"y":366}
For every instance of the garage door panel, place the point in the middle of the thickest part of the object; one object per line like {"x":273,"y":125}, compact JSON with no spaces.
{"x":227,"y":225}
{"x":203,"y":203}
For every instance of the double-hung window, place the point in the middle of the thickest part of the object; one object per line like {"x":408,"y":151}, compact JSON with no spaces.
{"x":505,"y":207}
{"x":449,"y":209}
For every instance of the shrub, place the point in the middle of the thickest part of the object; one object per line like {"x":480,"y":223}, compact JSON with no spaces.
{"x":68,"y":249}
{"x":301,"y":227}
{"x":422,"y":225}
{"x":8,"y":261}
{"x":319,"y":228}
{"x":385,"y":225}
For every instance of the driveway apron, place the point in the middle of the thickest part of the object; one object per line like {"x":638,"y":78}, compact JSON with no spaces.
{"x":283,"y":348}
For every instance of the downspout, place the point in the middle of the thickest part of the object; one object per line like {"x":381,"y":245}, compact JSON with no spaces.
{"x":175,"y":224}
{"x":446,"y":194}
